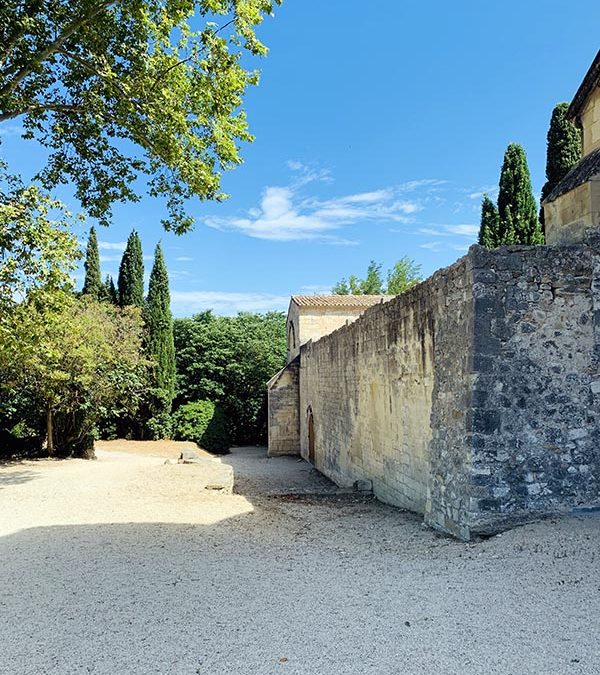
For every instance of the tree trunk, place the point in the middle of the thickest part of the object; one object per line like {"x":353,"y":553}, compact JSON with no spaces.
{"x":49,"y":432}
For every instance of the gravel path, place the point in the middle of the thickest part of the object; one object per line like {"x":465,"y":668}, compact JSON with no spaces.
{"x":127,"y":566}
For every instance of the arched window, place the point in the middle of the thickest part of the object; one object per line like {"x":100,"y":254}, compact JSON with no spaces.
{"x":291,"y":337}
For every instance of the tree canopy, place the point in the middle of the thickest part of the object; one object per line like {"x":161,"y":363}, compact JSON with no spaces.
{"x":160,"y":348}
{"x":120,"y":90}
{"x":229,"y":360}
{"x":131,"y":273}
{"x":563,"y":150}
{"x":37,"y":249}
{"x":92,"y":284}
{"x":517,"y":208}
{"x":404,"y":275}
{"x":515,"y":219}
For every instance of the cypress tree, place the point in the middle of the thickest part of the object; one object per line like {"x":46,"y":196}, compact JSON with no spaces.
{"x":108,"y":292}
{"x":92,"y":284}
{"x":159,"y":325}
{"x":131,"y":273}
{"x":490,"y":222}
{"x":563,"y":150}
{"x":160,"y":348}
{"x":517,"y":209}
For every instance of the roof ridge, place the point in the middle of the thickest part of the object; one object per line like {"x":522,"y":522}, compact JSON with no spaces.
{"x":589,"y":82}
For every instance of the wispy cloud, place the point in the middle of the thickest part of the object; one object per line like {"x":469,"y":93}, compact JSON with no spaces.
{"x":112,"y":245}
{"x":11,"y":130}
{"x":308,"y":173}
{"x":184,"y":258}
{"x":438,"y":246}
{"x":284,"y":214}
{"x":316,"y":289}
{"x":477,"y":193}
{"x":227,"y":303}
{"x":462,"y":230}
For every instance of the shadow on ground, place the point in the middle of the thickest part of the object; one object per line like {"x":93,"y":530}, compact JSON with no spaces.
{"x":16,"y":477}
{"x":298,"y":587}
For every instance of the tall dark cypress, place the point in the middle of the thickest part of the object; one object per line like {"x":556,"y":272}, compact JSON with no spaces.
{"x":131,"y":273}
{"x":564,"y":148}
{"x":108,"y":292}
{"x":159,"y":327}
{"x":517,"y":209}
{"x":490,"y":222}
{"x":92,"y":284}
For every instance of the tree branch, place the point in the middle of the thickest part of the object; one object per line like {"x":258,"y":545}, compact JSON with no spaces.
{"x":42,"y":107}
{"x":54,"y":46}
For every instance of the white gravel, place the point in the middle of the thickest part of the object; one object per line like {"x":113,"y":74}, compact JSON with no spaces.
{"x":125,"y":565}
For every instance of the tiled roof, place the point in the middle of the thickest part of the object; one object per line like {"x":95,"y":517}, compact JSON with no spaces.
{"x":339,"y":300}
{"x":590,"y":82}
{"x":584,"y":170}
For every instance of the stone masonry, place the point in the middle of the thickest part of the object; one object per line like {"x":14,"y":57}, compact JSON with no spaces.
{"x":473,"y":398}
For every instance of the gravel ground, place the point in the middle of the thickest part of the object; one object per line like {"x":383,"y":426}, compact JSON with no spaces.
{"x":125,"y":565}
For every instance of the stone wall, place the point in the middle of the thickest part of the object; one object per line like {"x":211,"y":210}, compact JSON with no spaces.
{"x":283,"y":402}
{"x":568,"y":217}
{"x":536,"y":394}
{"x":312,"y":323}
{"x":473,"y":398}
{"x":590,"y":121}
{"x":370,"y":387}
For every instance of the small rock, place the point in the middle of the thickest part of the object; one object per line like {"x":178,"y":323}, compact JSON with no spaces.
{"x":363,"y":485}
{"x":188,"y":455}
{"x":214,"y":486}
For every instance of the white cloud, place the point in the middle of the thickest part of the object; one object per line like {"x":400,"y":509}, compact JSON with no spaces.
{"x":112,"y":245}
{"x":283,"y":215}
{"x":462,"y":230}
{"x":444,"y":246}
{"x":184,"y":258}
{"x":490,"y":190}
{"x":11,"y":130}
{"x":185,"y":303}
{"x":316,"y":289}
{"x":308,"y":173}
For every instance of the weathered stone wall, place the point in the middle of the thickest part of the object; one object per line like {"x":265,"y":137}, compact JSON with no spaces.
{"x":590,"y":121}
{"x":312,"y":323}
{"x":535,"y":418}
{"x":370,"y":385}
{"x":568,"y":217}
{"x":283,"y":412}
{"x":474,"y":398}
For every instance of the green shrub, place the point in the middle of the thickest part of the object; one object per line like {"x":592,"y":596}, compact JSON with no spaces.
{"x":204,"y":423}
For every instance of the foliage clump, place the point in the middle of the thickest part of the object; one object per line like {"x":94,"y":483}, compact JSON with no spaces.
{"x":404,"y":275}
{"x":203,"y":423}
{"x":564,"y":149}
{"x":131,"y":273}
{"x":229,"y":360}
{"x":515,"y":219}
{"x":92,"y":284}
{"x":118,"y":91}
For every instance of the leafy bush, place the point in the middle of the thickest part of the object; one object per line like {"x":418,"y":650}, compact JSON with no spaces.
{"x":204,"y":423}
{"x":229,"y":360}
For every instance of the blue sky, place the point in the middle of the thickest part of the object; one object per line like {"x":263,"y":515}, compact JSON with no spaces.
{"x":378,"y":128}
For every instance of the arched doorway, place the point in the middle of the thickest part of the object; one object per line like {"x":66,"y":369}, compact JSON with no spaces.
{"x":310,"y":423}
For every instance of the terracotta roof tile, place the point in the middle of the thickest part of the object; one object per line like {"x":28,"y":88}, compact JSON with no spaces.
{"x":339,"y":300}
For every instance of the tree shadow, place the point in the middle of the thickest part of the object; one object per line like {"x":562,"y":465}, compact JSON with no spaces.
{"x":17,"y":477}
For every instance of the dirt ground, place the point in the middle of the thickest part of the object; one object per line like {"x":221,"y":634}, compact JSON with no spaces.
{"x":130,"y":565}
